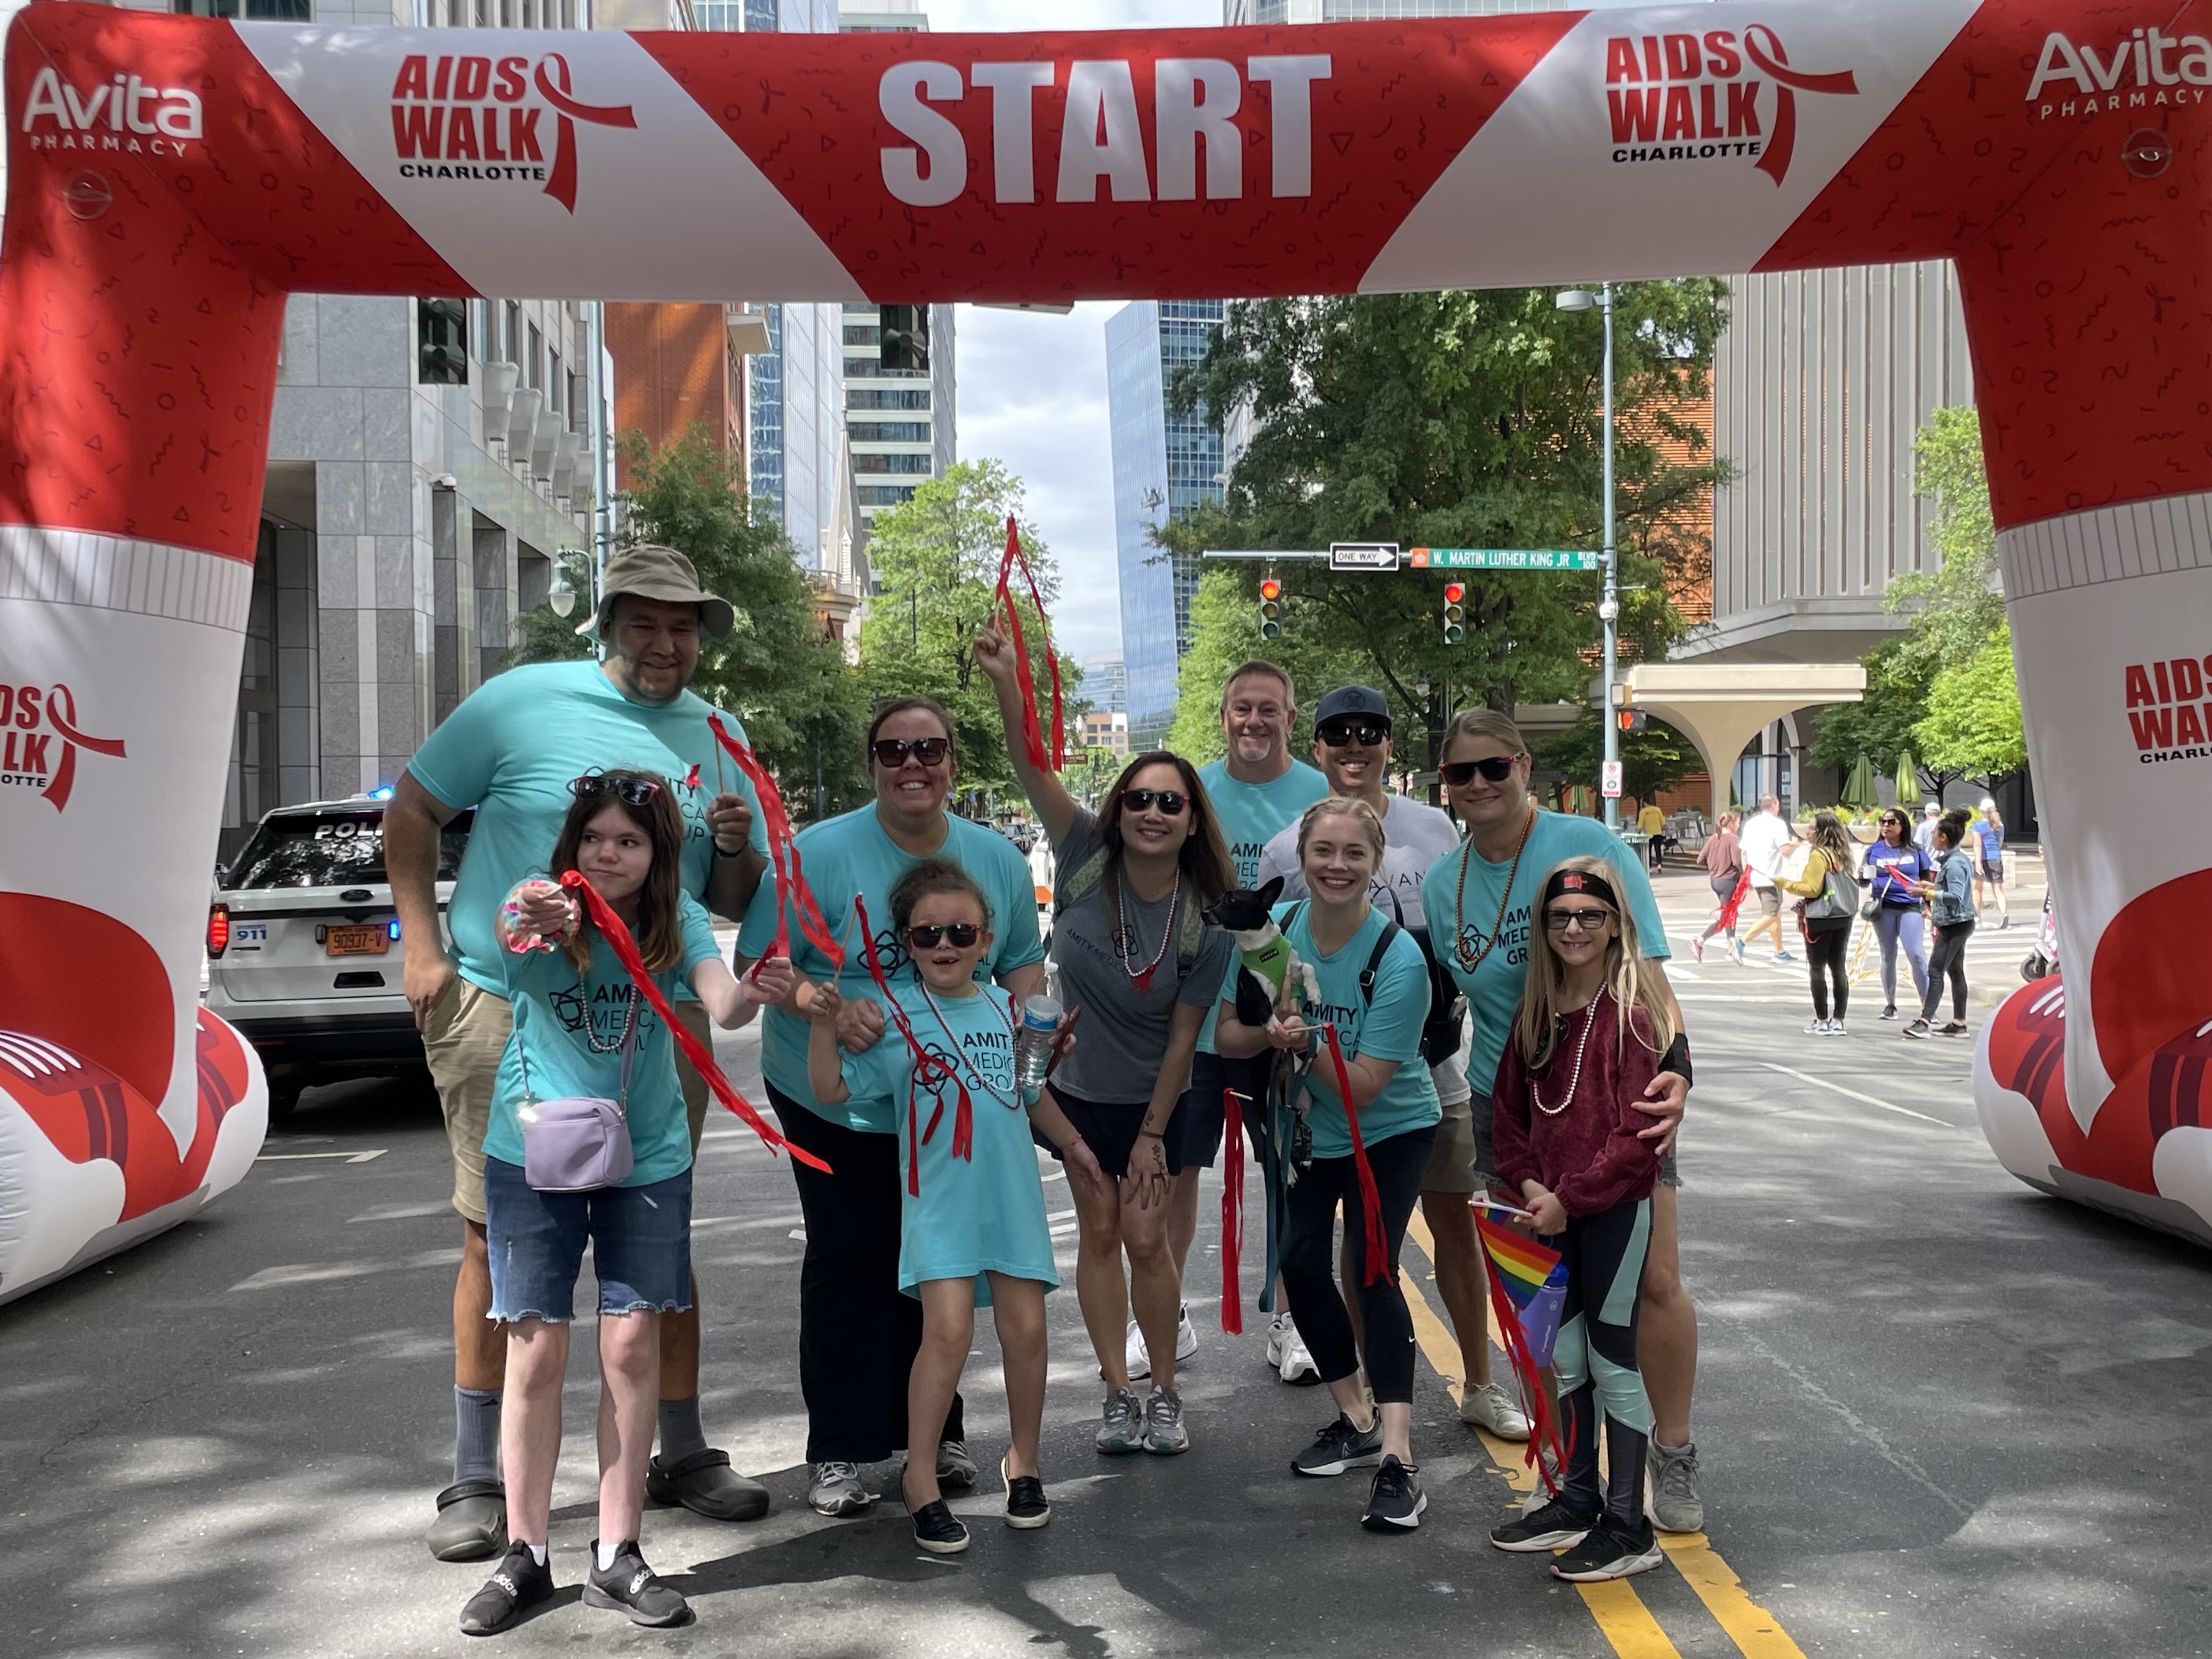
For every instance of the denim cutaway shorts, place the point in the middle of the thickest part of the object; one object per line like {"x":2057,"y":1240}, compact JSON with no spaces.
{"x":641,"y":1240}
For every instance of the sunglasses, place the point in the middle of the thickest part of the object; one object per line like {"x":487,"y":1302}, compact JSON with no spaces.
{"x":1367,"y":736}
{"x":1169,"y":801}
{"x":924,"y":936}
{"x":629,"y":791}
{"x":1495,"y":768}
{"x":892,"y":751}
{"x":1590,"y":918}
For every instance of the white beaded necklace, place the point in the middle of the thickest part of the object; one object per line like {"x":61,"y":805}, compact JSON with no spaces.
{"x":1574,"y":1081}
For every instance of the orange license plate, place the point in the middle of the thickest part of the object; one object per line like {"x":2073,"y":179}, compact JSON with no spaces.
{"x":357,"y":942}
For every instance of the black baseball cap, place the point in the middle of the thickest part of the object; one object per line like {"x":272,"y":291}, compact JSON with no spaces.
{"x":1353,"y":701}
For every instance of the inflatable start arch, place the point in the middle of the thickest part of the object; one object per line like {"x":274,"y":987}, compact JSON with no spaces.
{"x":171,"y":179}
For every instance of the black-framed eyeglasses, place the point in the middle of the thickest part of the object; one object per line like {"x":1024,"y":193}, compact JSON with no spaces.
{"x":1590,"y":918}
{"x":630,"y":791}
{"x":1343,"y":734}
{"x":925,"y":935}
{"x":891,"y":752}
{"x":1495,"y":768}
{"x":1170,"y":802}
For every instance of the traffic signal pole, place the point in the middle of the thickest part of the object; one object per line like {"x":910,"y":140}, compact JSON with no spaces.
{"x":1608,"y":609}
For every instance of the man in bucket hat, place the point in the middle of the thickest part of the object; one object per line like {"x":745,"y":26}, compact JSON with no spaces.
{"x":511,"y":751}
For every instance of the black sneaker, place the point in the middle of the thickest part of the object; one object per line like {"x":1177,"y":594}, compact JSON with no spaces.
{"x":517,"y":1585}
{"x":1395,"y":1500}
{"x":1558,"y":1523}
{"x":1341,"y":1446}
{"x":1027,"y":1507}
{"x":1889,"y":1011}
{"x":633,"y":1587}
{"x":1610,"y":1551}
{"x":937,"y":1530}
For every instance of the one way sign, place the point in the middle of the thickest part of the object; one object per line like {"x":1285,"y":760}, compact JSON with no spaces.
{"x":1363,"y":555}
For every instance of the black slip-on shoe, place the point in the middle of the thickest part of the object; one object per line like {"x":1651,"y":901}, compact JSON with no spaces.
{"x":629,"y":1586}
{"x":519,"y":1585}
{"x":1027,"y":1507}
{"x":937,"y":1530}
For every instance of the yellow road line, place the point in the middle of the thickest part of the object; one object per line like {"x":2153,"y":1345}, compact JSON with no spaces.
{"x":1758,"y":1633}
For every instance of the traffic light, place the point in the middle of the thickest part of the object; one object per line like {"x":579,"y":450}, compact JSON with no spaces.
{"x":1455,"y":612}
{"x":442,"y":342}
{"x":1630,"y":720}
{"x":1271,"y":609}
{"x":902,"y":338}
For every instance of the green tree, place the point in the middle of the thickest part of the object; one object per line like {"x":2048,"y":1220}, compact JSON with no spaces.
{"x":1657,"y":758}
{"x":1972,"y":725}
{"x":1459,"y":419}
{"x":1956,"y":609}
{"x":935,"y":559}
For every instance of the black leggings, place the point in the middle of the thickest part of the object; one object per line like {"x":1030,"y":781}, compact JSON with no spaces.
{"x":1948,"y":957}
{"x":857,"y":1332}
{"x":1824,"y":950}
{"x":1309,"y":1264}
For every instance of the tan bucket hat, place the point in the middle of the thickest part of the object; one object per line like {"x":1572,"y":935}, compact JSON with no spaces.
{"x":652,"y":572}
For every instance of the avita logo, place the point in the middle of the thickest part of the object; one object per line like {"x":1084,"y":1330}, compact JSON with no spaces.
{"x":2158,"y":69}
{"x":125,"y":115}
{"x":1698,"y":97}
{"x":38,"y":741}
{"x":2168,"y":709}
{"x":476,"y":118}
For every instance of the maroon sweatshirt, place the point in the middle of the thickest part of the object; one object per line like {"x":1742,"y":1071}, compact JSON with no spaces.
{"x":1588,"y":1155}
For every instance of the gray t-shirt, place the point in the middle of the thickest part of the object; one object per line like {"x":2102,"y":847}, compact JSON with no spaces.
{"x":1415,"y":837}
{"x":1123,"y":1039}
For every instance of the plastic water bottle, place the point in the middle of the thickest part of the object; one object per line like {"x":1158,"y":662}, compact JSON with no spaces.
{"x":1033,"y":1042}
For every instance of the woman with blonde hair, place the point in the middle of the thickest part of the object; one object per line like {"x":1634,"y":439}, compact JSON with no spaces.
{"x":1830,"y":887}
{"x":1587,"y":1040}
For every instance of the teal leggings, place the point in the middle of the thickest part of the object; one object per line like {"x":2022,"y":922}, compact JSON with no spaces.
{"x":1595,"y":1359}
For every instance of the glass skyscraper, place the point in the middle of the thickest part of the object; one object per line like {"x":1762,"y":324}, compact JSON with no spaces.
{"x":1163,"y":467}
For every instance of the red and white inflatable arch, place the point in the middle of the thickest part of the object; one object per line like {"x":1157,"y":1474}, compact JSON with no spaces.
{"x":171,"y":179}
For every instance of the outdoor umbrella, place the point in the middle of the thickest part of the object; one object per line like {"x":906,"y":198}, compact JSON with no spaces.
{"x":1859,"y":789}
{"x":1908,"y":777}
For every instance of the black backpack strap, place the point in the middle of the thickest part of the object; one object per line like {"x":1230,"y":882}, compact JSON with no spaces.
{"x":1390,"y":930}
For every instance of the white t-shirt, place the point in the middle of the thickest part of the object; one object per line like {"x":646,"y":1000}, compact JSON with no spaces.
{"x":1416,"y":837}
{"x":1762,"y":837}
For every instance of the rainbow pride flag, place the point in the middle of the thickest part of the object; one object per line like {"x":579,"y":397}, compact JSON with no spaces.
{"x":1533,"y":1280}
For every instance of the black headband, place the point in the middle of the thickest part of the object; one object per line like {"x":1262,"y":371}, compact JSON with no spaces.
{"x":1587,"y":883}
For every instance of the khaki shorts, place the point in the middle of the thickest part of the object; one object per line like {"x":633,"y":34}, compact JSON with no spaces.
{"x":463,"y":1040}
{"x":1458,"y":1148}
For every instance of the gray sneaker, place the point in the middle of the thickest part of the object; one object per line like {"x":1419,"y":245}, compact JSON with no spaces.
{"x":1164,"y":1433}
{"x":1121,"y":1426}
{"x":1487,"y":1406}
{"x":955,"y":1468}
{"x":1675,"y":1504}
{"x":837,"y":1489}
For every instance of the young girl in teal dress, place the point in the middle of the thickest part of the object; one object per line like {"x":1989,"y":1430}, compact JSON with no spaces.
{"x":972,"y":1228}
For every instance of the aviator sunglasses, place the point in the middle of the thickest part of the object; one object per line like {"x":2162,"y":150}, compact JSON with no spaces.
{"x":1169,"y":801}
{"x":1495,"y":768}
{"x":629,"y":791}
{"x":925,"y":935}
{"x":892,"y":751}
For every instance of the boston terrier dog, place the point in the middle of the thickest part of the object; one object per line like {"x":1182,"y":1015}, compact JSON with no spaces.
{"x":1268,"y":961}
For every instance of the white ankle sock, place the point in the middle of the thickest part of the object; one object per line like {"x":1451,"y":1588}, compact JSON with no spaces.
{"x":606,"y":1554}
{"x":537,"y":1552}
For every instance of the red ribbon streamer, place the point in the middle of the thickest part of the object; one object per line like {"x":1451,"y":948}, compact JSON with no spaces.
{"x":1032,"y":733}
{"x":1764,"y":47}
{"x":927,"y":1067}
{"x":1535,"y":1400}
{"x":1232,"y":1212}
{"x":612,"y":928}
{"x":1734,"y":907}
{"x":793,"y":895}
{"x":1378,"y":1237}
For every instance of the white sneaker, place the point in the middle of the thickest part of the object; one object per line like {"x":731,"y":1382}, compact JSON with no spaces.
{"x":1186,"y":1337}
{"x":1134,"y":1354}
{"x":1488,"y":1406}
{"x":1287,"y":1353}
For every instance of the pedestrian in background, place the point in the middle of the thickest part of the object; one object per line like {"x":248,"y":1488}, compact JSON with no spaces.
{"x":581,"y":1029}
{"x":1895,"y":867}
{"x":1987,"y":849}
{"x":1764,"y":834}
{"x":1950,"y":898}
{"x":1653,"y":823}
{"x":1722,"y":857}
{"x":1829,"y":887}
{"x":972,"y":1229}
{"x":1923,"y":834}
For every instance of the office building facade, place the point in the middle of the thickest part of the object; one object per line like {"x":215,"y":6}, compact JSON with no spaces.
{"x":900,"y":423}
{"x":1164,"y":465}
{"x":1104,"y":684}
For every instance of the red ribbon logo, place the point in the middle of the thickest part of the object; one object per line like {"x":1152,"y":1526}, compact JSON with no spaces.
{"x":561,"y":187}
{"x":25,"y":752}
{"x":1764,"y":48}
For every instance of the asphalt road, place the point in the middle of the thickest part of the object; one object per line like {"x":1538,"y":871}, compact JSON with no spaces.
{"x":1940,"y":1414}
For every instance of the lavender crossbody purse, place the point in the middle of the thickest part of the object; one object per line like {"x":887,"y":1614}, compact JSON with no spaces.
{"x":580,"y":1144}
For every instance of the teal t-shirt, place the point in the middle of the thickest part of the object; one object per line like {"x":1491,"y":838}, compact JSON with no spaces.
{"x":984,"y":1213}
{"x":851,"y":854}
{"x":1387,"y":1026}
{"x":1251,"y":815}
{"x":563,"y":1022}
{"x":1459,"y":923}
{"x":510,"y":751}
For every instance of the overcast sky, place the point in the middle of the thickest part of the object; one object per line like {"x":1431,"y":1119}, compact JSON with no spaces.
{"x":1033,"y":387}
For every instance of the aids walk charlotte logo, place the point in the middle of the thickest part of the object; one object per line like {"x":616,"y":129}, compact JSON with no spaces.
{"x":1711,"y":97}
{"x":39,"y":740}
{"x":2169,"y":709}
{"x":491,"y":120}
